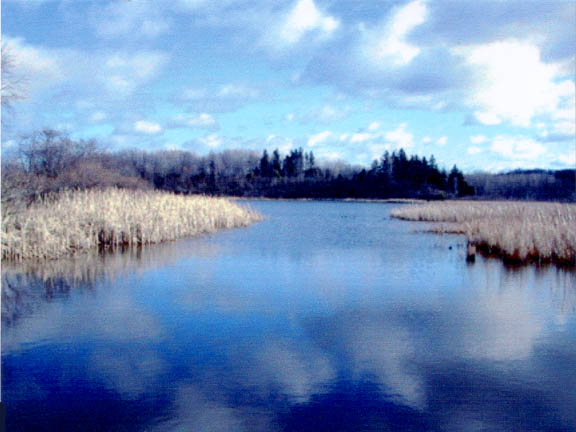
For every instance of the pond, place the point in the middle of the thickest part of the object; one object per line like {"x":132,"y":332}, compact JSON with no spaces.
{"x":326,"y":316}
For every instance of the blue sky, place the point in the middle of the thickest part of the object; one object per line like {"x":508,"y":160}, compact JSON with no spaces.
{"x":488,"y":85}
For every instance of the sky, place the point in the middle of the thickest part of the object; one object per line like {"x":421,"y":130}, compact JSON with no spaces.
{"x":485,"y":84}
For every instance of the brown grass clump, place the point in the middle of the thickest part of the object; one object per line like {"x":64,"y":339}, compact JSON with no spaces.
{"x":69,"y":221}
{"x":517,"y":231}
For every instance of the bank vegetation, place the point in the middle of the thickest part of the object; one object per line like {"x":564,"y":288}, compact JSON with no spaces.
{"x":62,"y":223}
{"x":516,"y":231}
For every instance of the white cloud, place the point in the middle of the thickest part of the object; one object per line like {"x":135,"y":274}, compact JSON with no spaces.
{"x":283,"y":144}
{"x":192,"y":4}
{"x":129,"y":19}
{"x":146,"y":127}
{"x":193,"y":93}
{"x":568,"y":159}
{"x":374,"y":126}
{"x":39,"y":67}
{"x":390,"y":46}
{"x":319,"y":138}
{"x":361,"y":146}
{"x":27,"y":3}
{"x":361,"y":137}
{"x":60,"y":78}
{"x":474,"y":150}
{"x":478,"y":139}
{"x":211,"y":141}
{"x":201,"y":121}
{"x":303,"y":18}
{"x":206,"y":5}
{"x":327,"y":114}
{"x":304,"y":21}
{"x":518,"y":148}
{"x":565,"y":127}
{"x":141,"y":64}
{"x":226,"y":98}
{"x":98,"y":116}
{"x":400,"y":137}
{"x":330,"y":155}
{"x":513,"y":84}
{"x":230,"y":91}
{"x":115,"y":75}
{"x":442,"y":141}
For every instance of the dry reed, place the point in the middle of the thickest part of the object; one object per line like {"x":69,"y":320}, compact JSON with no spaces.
{"x":516,"y":231}
{"x":69,"y":221}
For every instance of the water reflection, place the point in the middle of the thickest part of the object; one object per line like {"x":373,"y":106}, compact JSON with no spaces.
{"x":285,"y":327}
{"x":27,"y":286}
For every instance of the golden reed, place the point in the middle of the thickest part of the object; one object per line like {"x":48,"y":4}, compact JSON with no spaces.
{"x":516,"y":231}
{"x":69,"y":221}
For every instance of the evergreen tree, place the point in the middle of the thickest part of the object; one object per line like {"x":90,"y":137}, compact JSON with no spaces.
{"x":432,"y":164}
{"x":311,"y":171}
{"x":299,"y":163}
{"x":386,"y":164}
{"x":265,"y":166}
{"x":276,"y":164}
{"x":457,"y":184}
{"x":294,"y":164}
{"x":401,"y":166}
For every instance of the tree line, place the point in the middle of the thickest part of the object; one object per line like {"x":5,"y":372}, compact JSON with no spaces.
{"x":534,"y":184}
{"x":48,"y":161}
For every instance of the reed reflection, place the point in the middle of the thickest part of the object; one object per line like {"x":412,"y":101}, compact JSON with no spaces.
{"x":28,"y":285}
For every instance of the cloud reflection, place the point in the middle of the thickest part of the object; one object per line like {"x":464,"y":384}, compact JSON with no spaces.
{"x":128,"y":371}
{"x":228,"y":345}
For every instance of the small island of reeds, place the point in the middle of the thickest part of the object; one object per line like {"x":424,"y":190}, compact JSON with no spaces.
{"x":519,"y":232}
{"x":63,"y":223}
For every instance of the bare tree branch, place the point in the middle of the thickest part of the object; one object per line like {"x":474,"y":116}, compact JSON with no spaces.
{"x":13,"y":86}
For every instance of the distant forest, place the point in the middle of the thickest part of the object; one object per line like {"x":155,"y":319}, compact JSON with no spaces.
{"x":49,"y":161}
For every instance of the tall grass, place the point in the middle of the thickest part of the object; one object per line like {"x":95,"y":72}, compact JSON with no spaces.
{"x":517,"y":231}
{"x":69,"y":221}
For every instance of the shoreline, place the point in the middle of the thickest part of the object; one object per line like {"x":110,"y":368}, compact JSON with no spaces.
{"x":390,"y":200}
{"x":68,"y":222}
{"x":515,"y":231}
{"x":367,"y":200}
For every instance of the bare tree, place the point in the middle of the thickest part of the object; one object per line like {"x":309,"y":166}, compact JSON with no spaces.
{"x":13,"y":86}
{"x":50,"y":153}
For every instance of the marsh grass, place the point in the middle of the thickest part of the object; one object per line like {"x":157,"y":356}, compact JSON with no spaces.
{"x":69,"y":221}
{"x":516,"y":231}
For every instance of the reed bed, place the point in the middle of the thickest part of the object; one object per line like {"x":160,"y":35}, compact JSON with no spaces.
{"x":516,"y":231}
{"x":70,"y":221}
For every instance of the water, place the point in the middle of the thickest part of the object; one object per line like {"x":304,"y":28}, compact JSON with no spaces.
{"x":326,"y":316}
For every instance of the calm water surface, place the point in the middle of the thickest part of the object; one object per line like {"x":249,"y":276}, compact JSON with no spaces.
{"x":326,"y":316}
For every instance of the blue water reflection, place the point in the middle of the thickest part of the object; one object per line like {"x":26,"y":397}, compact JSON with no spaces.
{"x":326,"y":316}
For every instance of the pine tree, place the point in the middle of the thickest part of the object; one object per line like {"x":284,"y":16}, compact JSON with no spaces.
{"x":276,"y":164}
{"x":265,"y":167}
{"x":386,"y":164}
